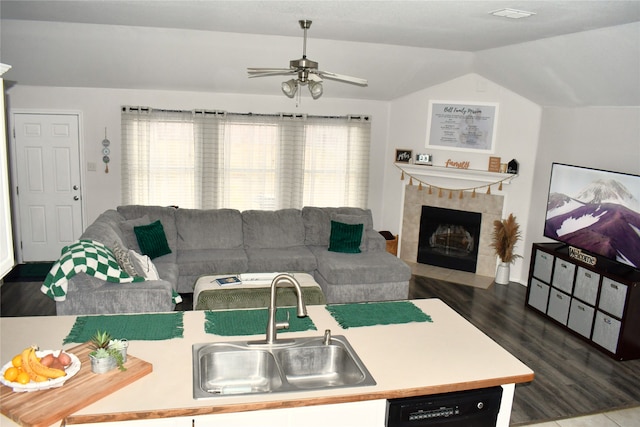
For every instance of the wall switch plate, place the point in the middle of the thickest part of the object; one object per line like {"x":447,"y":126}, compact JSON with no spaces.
{"x":91,"y":166}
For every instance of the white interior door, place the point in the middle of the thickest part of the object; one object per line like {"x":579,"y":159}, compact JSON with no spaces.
{"x":48,"y":170}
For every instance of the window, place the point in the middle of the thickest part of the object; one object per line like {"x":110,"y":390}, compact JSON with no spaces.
{"x":250,"y":169}
{"x":197,"y":159}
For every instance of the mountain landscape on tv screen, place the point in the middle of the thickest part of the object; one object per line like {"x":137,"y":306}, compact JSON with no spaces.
{"x":603,"y":218}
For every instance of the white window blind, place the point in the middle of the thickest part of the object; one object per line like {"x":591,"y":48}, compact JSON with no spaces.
{"x":198,"y":159}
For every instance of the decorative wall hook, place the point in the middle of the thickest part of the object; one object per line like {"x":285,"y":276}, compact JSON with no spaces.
{"x":106,"y":151}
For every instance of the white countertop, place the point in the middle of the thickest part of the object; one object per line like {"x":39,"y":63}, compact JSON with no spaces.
{"x":411,"y":359}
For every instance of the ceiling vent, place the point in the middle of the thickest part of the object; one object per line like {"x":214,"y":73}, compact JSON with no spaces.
{"x":511,"y":13}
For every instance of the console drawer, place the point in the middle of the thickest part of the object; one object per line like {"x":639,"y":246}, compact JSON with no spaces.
{"x":606,"y":331}
{"x":543,"y":266}
{"x":558,"y":306}
{"x":586,"y":287}
{"x":580,"y":317}
{"x":612,"y":297}
{"x":538,"y":295}
{"x":563,"y":275}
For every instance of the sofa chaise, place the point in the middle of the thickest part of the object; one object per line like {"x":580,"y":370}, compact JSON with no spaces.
{"x":197,"y":242}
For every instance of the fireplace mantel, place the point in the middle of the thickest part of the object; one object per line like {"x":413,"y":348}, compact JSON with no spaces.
{"x":423,"y":173}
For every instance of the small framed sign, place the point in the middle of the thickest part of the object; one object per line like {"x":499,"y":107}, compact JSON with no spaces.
{"x":494,"y":164}
{"x":403,"y":156}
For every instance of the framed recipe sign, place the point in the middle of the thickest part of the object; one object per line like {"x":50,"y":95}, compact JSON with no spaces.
{"x":467,"y":126}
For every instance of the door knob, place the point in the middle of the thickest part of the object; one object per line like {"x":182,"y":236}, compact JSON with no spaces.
{"x":75,"y":187}
{"x":76,"y":198}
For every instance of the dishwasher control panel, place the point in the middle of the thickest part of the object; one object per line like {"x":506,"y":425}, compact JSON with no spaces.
{"x":477,"y":408}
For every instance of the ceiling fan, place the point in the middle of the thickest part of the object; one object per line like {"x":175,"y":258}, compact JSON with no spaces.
{"x":306,"y":71}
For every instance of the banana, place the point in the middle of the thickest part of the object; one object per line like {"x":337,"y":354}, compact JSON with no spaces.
{"x":25,"y":362}
{"x":43,"y":371}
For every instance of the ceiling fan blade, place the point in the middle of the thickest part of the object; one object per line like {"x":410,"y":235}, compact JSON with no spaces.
{"x":271,"y":73}
{"x":343,"y":78}
{"x":267,"y":70}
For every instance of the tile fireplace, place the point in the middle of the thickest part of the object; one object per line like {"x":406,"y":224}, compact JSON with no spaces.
{"x":488,"y":207}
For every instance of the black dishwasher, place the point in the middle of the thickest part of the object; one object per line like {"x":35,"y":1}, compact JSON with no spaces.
{"x":472,"y":408}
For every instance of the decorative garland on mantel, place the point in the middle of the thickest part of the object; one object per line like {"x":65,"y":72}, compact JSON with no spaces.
{"x":452,"y":190}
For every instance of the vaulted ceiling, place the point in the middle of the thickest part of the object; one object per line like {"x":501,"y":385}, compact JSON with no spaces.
{"x":568,"y":53}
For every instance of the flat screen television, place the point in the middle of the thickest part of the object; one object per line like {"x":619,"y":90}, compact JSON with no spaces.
{"x":595,"y":210}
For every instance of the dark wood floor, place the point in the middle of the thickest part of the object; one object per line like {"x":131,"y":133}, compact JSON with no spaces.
{"x":572,"y":378}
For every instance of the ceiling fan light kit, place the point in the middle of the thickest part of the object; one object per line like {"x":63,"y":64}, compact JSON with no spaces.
{"x":316,"y":89}
{"x":306,"y":71}
{"x":290,"y":87}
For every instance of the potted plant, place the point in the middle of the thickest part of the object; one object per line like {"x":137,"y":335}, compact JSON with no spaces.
{"x":506,"y":233}
{"x":105,"y":357}
{"x":120,"y":346}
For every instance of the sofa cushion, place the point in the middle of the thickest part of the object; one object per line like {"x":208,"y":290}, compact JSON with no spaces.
{"x":129,"y":236}
{"x":198,"y":262}
{"x":209,"y":229}
{"x":166,"y":215}
{"x":345,"y":238}
{"x":106,"y":229}
{"x":152,"y":240}
{"x":297,"y":258}
{"x":90,"y":295}
{"x":365,"y":267}
{"x":375,"y":241}
{"x":317,"y":223}
{"x":272,"y":229}
{"x":168,"y":271}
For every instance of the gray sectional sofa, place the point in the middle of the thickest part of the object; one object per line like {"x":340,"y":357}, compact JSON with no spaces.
{"x":227,"y":241}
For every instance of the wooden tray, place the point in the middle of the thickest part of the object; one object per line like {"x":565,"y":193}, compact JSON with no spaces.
{"x":45,"y":407}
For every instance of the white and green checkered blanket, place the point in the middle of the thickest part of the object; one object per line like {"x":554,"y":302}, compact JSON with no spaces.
{"x":90,"y":257}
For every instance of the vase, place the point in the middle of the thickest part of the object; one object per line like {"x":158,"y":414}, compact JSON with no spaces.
{"x":502,"y":273}
{"x":103,"y":364}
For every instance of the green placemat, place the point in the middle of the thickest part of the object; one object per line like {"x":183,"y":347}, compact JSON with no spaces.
{"x":377,"y":313}
{"x":146,"y":327}
{"x":253,"y":322}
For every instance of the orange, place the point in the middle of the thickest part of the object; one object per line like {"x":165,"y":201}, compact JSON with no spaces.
{"x":23,"y":378}
{"x":11,"y":373}
{"x":17,"y":361}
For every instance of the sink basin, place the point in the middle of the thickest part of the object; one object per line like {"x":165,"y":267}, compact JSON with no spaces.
{"x":313,"y":366}
{"x":247,"y":367}
{"x":231,"y":371}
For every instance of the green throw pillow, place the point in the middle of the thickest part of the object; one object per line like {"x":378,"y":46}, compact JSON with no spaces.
{"x":345,"y":237}
{"x":152,"y":240}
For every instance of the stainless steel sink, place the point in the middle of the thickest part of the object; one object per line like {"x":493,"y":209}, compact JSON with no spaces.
{"x":228,"y":371}
{"x":319,"y":365}
{"x":294,"y":365}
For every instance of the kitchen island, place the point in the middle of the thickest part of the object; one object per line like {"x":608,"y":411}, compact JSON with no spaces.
{"x":413,"y":359}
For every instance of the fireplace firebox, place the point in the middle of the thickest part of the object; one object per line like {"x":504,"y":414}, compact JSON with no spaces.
{"x":449,"y":238}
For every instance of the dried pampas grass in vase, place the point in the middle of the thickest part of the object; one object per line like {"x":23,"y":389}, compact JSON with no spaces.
{"x":506,"y":234}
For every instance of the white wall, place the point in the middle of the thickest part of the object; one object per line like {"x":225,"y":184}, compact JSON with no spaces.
{"x":517,"y":137}
{"x":603,"y":137}
{"x":599,"y":137}
{"x":100,"y":108}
